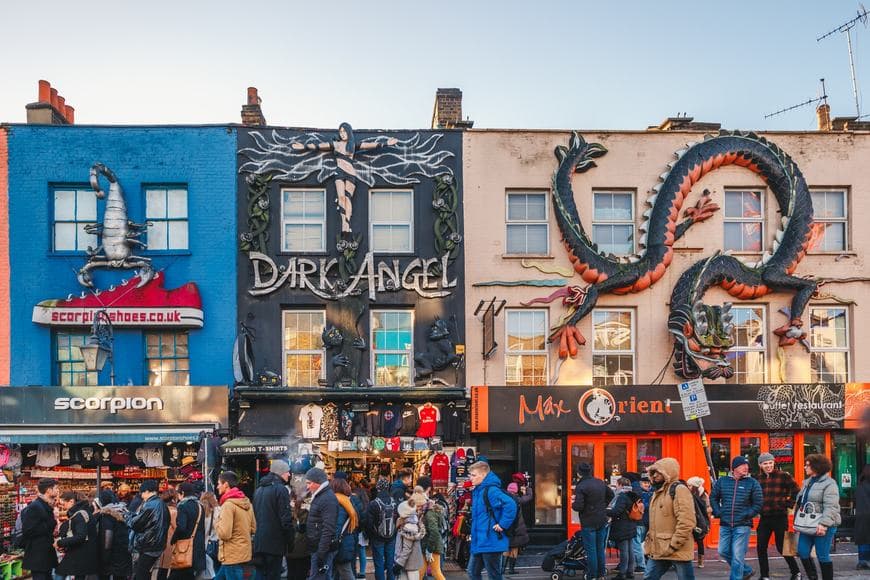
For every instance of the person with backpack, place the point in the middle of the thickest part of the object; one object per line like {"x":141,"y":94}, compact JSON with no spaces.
{"x":114,"y":539}
{"x":77,"y":537}
{"x":321,"y":529}
{"x":672,"y":520}
{"x":520,"y":537}
{"x":37,"y":531}
{"x":493,"y":521}
{"x":696,"y":486}
{"x":382,"y":530}
{"x":624,"y":511}
{"x":779,"y":491}
{"x":736,"y":499}
{"x":591,"y":497}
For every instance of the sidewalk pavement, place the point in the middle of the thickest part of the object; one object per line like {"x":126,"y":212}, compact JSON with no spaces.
{"x":845,"y":559}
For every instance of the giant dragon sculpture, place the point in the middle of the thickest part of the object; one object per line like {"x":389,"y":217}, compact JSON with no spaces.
{"x":702,"y":333}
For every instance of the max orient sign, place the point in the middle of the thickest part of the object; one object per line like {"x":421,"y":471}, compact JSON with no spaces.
{"x":654,"y":408}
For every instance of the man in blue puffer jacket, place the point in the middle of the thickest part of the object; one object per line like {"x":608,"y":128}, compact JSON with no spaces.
{"x":488,"y":537}
{"x":736,"y":499}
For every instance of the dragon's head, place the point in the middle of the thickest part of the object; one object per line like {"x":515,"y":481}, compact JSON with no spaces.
{"x":702,"y":337}
{"x":332,"y":337}
{"x":439,"y":330}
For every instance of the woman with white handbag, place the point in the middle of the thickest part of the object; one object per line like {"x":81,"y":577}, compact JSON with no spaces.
{"x":817,"y":515}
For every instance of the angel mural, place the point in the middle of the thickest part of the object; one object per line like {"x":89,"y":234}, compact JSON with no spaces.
{"x":397,"y":162}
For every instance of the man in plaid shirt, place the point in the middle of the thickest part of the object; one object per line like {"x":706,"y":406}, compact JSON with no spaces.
{"x":779,"y":490}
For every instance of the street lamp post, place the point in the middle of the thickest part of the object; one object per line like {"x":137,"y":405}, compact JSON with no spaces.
{"x":99,"y":346}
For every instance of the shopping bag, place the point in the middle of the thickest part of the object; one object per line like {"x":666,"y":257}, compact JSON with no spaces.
{"x":789,"y":544}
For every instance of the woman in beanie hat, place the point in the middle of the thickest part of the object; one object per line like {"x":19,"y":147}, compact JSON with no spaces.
{"x":409,"y":553}
{"x":520,"y":539}
{"x":696,"y":486}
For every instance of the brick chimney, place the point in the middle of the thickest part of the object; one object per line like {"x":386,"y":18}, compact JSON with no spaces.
{"x":252,"y":114}
{"x":823,"y":115}
{"x":50,"y":108}
{"x":683,"y":122}
{"x":447,"y":113}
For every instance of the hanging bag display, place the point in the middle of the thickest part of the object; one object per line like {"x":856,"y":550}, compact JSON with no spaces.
{"x":182,"y":550}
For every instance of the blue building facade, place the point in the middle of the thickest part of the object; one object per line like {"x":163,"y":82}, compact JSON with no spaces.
{"x":182,"y":181}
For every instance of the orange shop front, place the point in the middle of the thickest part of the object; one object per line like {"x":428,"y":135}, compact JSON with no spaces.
{"x":548,"y":431}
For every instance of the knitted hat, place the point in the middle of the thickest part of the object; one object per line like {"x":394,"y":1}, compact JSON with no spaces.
{"x":519,"y":478}
{"x":315,"y":475}
{"x":764,"y":457}
{"x":405,"y":509}
{"x":279,"y":467}
{"x":513,"y":487}
{"x":419,"y":499}
{"x":738,"y":461}
{"x":382,"y":485}
{"x":695,"y":482}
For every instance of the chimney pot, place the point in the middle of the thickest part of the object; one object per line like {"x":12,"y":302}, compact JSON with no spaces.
{"x":61,"y":105}
{"x":44,"y":92}
{"x":253,"y":99}
{"x":823,"y":116}
{"x":53,"y":99}
{"x":70,"y":115}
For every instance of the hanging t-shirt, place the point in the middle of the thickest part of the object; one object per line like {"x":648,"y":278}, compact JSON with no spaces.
{"x":310,"y":416}
{"x":440,"y":470}
{"x":373,"y":423}
{"x":429,"y":417}
{"x":89,"y":456}
{"x":392,"y":420}
{"x":393,"y":443}
{"x":48,"y":455}
{"x":407,"y":444}
{"x":69,"y":456}
{"x":153,"y":456}
{"x":345,"y":424}
{"x":329,"y":423}
{"x":452,"y":424}
{"x":139,"y":456}
{"x":410,"y":423}
{"x":172,"y":456}
{"x":359,"y":424}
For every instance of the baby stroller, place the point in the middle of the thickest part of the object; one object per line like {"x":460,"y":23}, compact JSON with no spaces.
{"x":566,"y":559}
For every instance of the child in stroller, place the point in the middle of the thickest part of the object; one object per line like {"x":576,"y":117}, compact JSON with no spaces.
{"x":566,"y":559}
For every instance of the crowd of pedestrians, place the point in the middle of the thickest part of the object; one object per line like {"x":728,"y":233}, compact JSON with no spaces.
{"x":656,"y":520}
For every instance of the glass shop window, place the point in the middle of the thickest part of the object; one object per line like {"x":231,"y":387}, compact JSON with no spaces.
{"x":648,"y":452}
{"x":548,"y":482}
{"x":781,"y":446}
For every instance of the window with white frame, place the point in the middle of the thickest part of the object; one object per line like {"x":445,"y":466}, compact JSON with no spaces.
{"x":166,"y":214}
{"x":527,"y":230}
{"x":303,"y":220}
{"x":167,"y":358}
{"x":74,"y":208}
{"x":526,"y":359}
{"x":613,"y":347}
{"x":748,"y":354}
{"x":829,"y":344}
{"x":303,"y":347}
{"x":71,"y":371}
{"x":830,"y":216}
{"x":392,"y":347}
{"x":391,"y":218}
{"x":744,"y":213}
{"x":613,"y":222}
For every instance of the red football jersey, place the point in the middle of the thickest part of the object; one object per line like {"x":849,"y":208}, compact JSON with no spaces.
{"x":429,"y":417}
{"x":440,"y":469}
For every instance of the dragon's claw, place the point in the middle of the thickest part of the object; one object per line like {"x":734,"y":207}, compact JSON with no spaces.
{"x":791,"y":332}
{"x":702,"y":210}
{"x":569,"y":340}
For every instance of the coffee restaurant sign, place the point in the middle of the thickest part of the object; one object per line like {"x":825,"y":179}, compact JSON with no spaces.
{"x":654,"y":408}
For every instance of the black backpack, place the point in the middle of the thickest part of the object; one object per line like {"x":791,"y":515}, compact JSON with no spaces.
{"x":511,"y":530}
{"x":702,"y":523}
{"x":386,"y":524}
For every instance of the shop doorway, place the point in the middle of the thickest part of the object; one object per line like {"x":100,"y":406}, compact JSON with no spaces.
{"x":610,"y":457}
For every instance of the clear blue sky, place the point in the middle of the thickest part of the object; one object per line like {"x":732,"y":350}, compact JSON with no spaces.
{"x":520,"y":64}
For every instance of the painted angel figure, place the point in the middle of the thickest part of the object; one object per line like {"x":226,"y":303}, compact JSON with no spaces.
{"x":345,"y":180}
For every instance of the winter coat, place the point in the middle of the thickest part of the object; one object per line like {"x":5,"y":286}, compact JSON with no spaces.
{"x":347,"y":548}
{"x":398,"y":491}
{"x":862,"y":512}
{"x":671,"y":521}
{"x":409,"y":553}
{"x":520,"y":539}
{"x":320,"y":529}
{"x":235,"y":526}
{"x":433,"y":517}
{"x":190,"y":517}
{"x":274,"y":517}
{"x":37,"y":531}
{"x":591,"y":498}
{"x":622,"y":527}
{"x":735,"y":502}
{"x":150,"y":526}
{"x":80,"y":543}
{"x":166,"y":557}
{"x":824,"y":494}
{"x":300,"y":549}
{"x":114,"y":541}
{"x":484,"y":539}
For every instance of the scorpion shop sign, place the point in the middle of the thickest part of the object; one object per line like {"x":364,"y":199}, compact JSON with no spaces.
{"x":427,"y":277}
{"x":127,"y":305}
{"x":655,"y":408}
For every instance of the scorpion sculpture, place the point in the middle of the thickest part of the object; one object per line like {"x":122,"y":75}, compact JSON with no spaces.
{"x":118,"y":234}
{"x":702,"y":333}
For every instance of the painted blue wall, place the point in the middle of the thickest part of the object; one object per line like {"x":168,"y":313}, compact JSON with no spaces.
{"x":203,"y":158}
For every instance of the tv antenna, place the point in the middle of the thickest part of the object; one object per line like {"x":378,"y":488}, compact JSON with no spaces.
{"x":823,"y":97}
{"x":847,"y":28}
